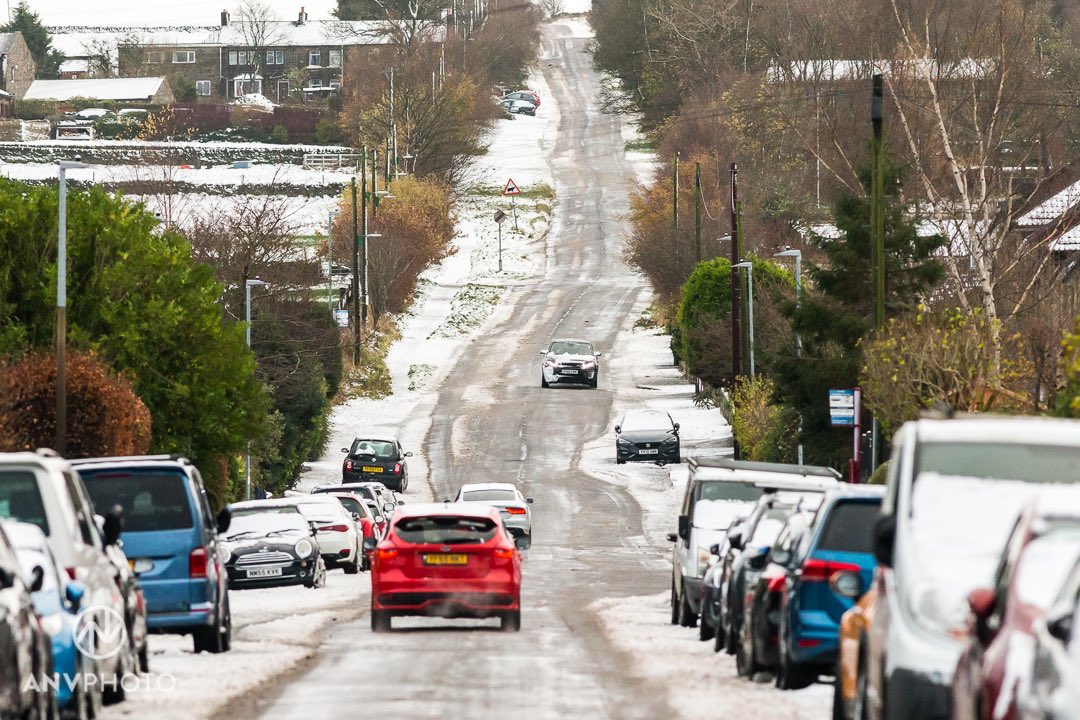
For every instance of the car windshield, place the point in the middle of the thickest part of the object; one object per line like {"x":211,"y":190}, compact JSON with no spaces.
{"x":152,"y":500}
{"x":248,"y":523}
{"x":959,"y":527}
{"x":445,"y":530}
{"x":353,"y":505}
{"x":319,"y":512}
{"x":638,"y":421}
{"x":20,"y":498}
{"x":769,"y":527}
{"x":488,"y":496}
{"x":570,"y":347}
{"x":848,"y":527}
{"x":1001,"y":461}
{"x":725,"y":490}
{"x":381,"y":449}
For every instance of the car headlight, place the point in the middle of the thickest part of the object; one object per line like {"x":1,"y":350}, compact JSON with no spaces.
{"x":588,"y":366}
{"x":551,"y":363}
{"x":225,"y":552}
{"x":670,"y":441}
{"x":52,"y":624}
{"x":704,"y":557}
{"x":623,"y":441}
{"x":303,"y":548}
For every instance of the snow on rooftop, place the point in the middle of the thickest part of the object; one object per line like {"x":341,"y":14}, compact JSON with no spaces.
{"x":74,"y":66}
{"x":1068,"y":241}
{"x":95,"y":88}
{"x":165,"y":12}
{"x":1052,"y":209}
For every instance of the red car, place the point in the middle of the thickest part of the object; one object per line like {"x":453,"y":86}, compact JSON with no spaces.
{"x":446,"y":560}
{"x":1044,"y":543}
{"x":365,"y":521}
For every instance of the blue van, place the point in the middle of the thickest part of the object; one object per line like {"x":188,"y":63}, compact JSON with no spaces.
{"x":170,"y":538}
{"x":834,"y":566}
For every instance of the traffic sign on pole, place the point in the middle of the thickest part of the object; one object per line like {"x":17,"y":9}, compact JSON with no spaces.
{"x":511,"y":188}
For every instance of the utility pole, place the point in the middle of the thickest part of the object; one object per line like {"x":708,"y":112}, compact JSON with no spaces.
{"x":877,"y":228}
{"x":697,"y":212}
{"x":675,"y":205}
{"x":364,"y":242}
{"x":736,"y":251}
{"x":355,"y":274}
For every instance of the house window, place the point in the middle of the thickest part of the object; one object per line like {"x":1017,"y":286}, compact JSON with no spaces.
{"x":334,"y":58}
{"x":184,"y":56}
{"x":202,"y":87}
{"x":232,"y":57}
{"x":315,"y":83}
{"x":275,"y":57}
{"x":335,"y":85}
{"x":244,"y":57}
{"x":315,"y":57}
{"x":154,"y":58}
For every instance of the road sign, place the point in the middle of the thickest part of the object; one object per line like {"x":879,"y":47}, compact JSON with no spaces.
{"x":342,"y":317}
{"x":511,"y":188}
{"x":842,"y":408}
{"x":499,"y":216}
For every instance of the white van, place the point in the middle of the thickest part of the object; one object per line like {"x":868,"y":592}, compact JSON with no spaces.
{"x":719,"y":491}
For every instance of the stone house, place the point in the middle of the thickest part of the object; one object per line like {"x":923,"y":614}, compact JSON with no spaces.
{"x":18,"y":70}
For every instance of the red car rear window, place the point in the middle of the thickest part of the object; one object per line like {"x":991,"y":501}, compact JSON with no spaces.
{"x":445,"y":530}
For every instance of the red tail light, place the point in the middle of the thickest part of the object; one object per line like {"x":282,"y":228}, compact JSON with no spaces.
{"x":823,"y":570}
{"x":504,"y":553}
{"x":387,"y":553}
{"x":397,"y":468}
{"x":348,"y":464}
{"x":70,"y":572}
{"x":776,"y":584}
{"x":333,"y":528}
{"x":197,"y":563}
{"x":515,"y":510}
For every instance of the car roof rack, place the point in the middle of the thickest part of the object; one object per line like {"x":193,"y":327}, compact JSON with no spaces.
{"x":173,"y":457}
{"x":791,"y":469}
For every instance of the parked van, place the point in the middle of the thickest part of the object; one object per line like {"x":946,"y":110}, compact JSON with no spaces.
{"x":43,"y":489}
{"x":718,"y":491}
{"x":171,"y":539}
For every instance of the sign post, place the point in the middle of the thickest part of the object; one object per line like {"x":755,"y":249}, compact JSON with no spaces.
{"x":499,"y":217}
{"x":844,"y":411}
{"x":513,"y":191}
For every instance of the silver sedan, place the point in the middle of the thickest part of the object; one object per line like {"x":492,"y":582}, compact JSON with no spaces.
{"x":513,"y":506}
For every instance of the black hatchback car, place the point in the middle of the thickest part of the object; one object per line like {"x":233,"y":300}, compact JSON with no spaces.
{"x":378,"y":459}
{"x":649,"y":435}
{"x":271,"y":546}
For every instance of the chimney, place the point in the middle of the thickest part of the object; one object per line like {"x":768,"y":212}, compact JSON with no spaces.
{"x":224,"y":18}
{"x":302,"y":18}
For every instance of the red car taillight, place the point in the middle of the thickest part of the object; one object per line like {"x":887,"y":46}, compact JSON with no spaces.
{"x":387,"y":553}
{"x":397,"y":468}
{"x":197,"y":563}
{"x":70,"y":572}
{"x":776,"y":584}
{"x":823,"y":570}
{"x":333,"y":528}
{"x":515,"y":510}
{"x":504,"y":553}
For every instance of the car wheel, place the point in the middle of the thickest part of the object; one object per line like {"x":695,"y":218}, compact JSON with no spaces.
{"x":510,"y":621}
{"x":687,"y":618}
{"x":215,"y":639}
{"x":859,"y":710}
{"x":839,"y":712}
{"x":619,"y":461}
{"x":354,"y":567}
{"x":745,"y":662}
{"x":91,"y":694}
{"x":705,"y":628}
{"x":791,"y":676}
{"x":674,"y":605}
{"x":318,"y":575}
{"x":380,"y":621}
{"x":595,"y":381}
{"x":543,"y":381}
{"x":144,"y":658}
{"x":528,"y":541}
{"x":365,"y":564}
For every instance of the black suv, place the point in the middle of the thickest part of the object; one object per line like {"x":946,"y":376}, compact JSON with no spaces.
{"x":379,"y":459}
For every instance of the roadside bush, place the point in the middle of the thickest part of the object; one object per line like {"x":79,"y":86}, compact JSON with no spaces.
{"x":36,"y":109}
{"x":327,"y":132}
{"x":764,"y":430}
{"x":280,"y":134}
{"x":1069,"y":396}
{"x":105,"y":416}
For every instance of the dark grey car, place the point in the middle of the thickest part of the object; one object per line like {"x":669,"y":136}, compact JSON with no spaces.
{"x":649,"y":435}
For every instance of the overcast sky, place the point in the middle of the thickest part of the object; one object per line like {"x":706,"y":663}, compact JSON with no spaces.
{"x":158,"y":12}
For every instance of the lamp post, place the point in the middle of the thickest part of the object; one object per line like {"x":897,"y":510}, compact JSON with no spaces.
{"x":330,"y":257}
{"x":797,"y":254}
{"x":61,"y":307}
{"x":248,"y":284}
{"x":749,"y":267}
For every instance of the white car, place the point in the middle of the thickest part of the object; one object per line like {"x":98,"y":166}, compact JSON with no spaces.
{"x":337,"y":535}
{"x":518,"y":107}
{"x":91,"y":114}
{"x":512,"y":505}
{"x":570,"y":361}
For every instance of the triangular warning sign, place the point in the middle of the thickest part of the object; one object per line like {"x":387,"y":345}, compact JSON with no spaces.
{"x":511,"y":188}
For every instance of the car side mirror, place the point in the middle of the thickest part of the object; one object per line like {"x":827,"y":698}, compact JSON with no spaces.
{"x":7,"y":578}
{"x":736,"y":541}
{"x":368,"y":544}
{"x":74,"y":592}
{"x":355,"y":517}
{"x":618,"y":429}
{"x":676,"y":427}
{"x":982,"y":602}
{"x":224,"y":520}
{"x":1059,"y":623}
{"x":684,"y":527}
{"x":529,"y":501}
{"x":714,"y":549}
{"x":408,"y":454}
{"x":345,"y":450}
{"x":389,"y":507}
{"x":673,"y":537}
{"x":884,"y":538}
{"x":113,"y":525}
{"x":37,"y":578}
{"x":597,"y":354}
{"x":758,"y":560}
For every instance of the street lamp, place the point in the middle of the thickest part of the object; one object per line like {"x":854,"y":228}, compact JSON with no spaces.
{"x":749,"y":267}
{"x":61,"y":307}
{"x":797,"y":254}
{"x":248,"y":284}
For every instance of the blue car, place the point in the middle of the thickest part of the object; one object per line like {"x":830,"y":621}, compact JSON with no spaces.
{"x":834,"y":567}
{"x":170,"y":537}
{"x":56,"y":603}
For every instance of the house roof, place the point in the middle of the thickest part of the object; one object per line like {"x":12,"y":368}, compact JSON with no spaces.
{"x":7,"y":40}
{"x":96,"y":89}
{"x":74,"y":66}
{"x":165,"y":12}
{"x":1051,"y":209}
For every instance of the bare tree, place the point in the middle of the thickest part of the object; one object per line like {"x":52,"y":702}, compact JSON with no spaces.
{"x":408,"y":24}
{"x":260,"y":28}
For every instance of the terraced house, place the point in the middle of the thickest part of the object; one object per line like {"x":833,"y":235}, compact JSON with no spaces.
{"x":285,"y":61}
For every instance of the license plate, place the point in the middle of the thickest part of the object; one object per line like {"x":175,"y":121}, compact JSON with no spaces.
{"x":264,"y":572}
{"x":653,"y":451}
{"x":141,"y":565}
{"x":568,"y":372}
{"x":446,"y":559}
{"x":372,"y":469}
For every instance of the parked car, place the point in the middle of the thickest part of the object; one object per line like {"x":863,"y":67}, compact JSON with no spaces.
{"x":518,"y":107}
{"x":647,"y":435}
{"x":568,"y":361}
{"x":57,"y":601}
{"x":711,"y":587}
{"x":43,"y":489}
{"x":828,"y":573}
{"x":1051,"y":690}
{"x":25,"y":649}
{"x":523,"y":95}
{"x":763,"y":598}
{"x":362,"y":515}
{"x":511,"y":504}
{"x":849,"y":687}
{"x":1043,"y":547}
{"x":378,"y":458}
{"x":955,"y":488}
{"x":446,"y":560}
{"x":379,"y":499}
{"x":338,"y":539}
{"x":136,"y":612}
{"x":271,"y":544}
{"x":91,"y":114}
{"x":170,"y":537}
{"x":718,"y":491}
